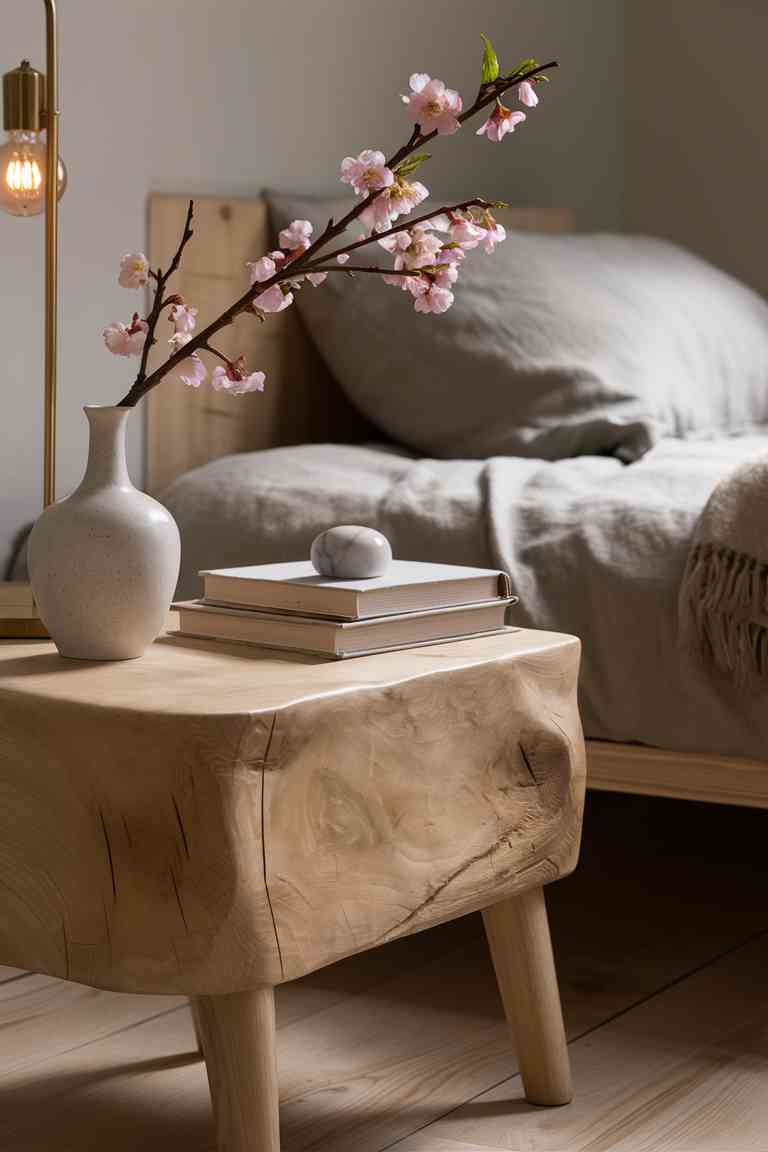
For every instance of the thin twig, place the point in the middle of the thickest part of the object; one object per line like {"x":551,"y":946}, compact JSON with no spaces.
{"x":161,"y":279}
{"x":214,"y":352}
{"x":363,"y":268}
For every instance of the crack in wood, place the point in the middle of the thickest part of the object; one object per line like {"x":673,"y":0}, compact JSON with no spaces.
{"x":108,"y":929}
{"x":127,"y":832}
{"x":503,"y":841}
{"x":66,"y":948}
{"x":527,"y":763}
{"x":178,"y":898}
{"x":181,"y":826}
{"x":267,"y":893}
{"x":109,"y":854}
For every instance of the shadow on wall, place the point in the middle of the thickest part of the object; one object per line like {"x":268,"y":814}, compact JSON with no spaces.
{"x":16,"y":568}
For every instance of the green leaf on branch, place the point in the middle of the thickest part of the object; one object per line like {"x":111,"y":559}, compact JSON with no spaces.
{"x":522,"y":68}
{"x":490,"y":62}
{"x":406,"y":167}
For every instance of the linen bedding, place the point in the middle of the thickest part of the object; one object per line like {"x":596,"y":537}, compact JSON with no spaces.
{"x":593,"y":547}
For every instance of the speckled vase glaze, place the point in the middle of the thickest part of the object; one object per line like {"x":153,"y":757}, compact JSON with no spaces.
{"x":104,"y":562}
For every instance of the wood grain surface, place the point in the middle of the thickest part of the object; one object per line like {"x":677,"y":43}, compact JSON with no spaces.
{"x":205,"y":821}
{"x":521,"y":948}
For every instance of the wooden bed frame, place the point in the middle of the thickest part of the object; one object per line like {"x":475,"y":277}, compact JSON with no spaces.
{"x":303,"y":404}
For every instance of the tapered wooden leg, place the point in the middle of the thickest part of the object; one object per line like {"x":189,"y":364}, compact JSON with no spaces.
{"x":238,"y":1036}
{"x":518,"y":934}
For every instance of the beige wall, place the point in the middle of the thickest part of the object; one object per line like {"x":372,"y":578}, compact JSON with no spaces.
{"x":230,"y":96}
{"x":696,"y":143}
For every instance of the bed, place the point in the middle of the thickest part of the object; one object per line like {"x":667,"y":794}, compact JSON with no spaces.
{"x":254,"y":481}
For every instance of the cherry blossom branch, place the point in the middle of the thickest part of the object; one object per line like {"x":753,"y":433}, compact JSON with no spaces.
{"x":487,"y":94}
{"x":364,"y":268}
{"x":291,"y":272}
{"x":411,"y":222}
{"x":161,"y":280}
{"x":308,"y":260}
{"x":213,"y":351}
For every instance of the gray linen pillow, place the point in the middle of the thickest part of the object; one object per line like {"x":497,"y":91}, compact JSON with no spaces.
{"x":556,"y":346}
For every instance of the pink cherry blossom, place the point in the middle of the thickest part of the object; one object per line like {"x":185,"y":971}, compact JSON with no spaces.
{"x":398,"y":200}
{"x":450,"y":254}
{"x":236,"y":380}
{"x":183,"y":317}
{"x":134,"y":270}
{"x":179,"y":340}
{"x":412,"y":248}
{"x":446,"y":275}
{"x":342,"y":257}
{"x":432,"y":106}
{"x":501,"y":121}
{"x":397,"y":243}
{"x":125,"y":340}
{"x":297,"y":236}
{"x":397,"y":281}
{"x":436,"y":299}
{"x":406,"y":195}
{"x":263,"y":269}
{"x":367,"y":172}
{"x":192,"y":372}
{"x":416,"y":285}
{"x":274,"y":299}
{"x":440,"y":222}
{"x":316,"y":278}
{"x":526,"y":94}
{"x":494,"y":234}
{"x":466,"y":232}
{"x":377,"y":216}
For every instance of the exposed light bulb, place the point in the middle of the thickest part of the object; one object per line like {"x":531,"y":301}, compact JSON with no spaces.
{"x":23,"y":173}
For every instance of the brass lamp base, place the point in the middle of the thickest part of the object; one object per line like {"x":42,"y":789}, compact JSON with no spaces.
{"x":23,"y":630}
{"x":19,"y":618}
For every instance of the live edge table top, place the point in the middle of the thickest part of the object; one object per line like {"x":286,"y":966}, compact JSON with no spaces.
{"x":180,"y":676}
{"x":212,"y":818}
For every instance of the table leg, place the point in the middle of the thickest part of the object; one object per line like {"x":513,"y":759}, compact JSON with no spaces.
{"x":238,"y":1039}
{"x":518,"y":935}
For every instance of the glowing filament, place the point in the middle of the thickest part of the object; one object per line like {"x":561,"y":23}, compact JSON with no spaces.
{"x":23,"y":176}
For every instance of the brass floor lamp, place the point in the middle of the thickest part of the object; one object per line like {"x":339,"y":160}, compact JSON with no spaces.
{"x":27,"y":159}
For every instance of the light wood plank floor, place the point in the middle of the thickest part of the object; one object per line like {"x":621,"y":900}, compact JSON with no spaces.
{"x":662,"y":941}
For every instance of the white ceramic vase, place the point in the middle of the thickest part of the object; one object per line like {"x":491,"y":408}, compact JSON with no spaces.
{"x":104,"y":562}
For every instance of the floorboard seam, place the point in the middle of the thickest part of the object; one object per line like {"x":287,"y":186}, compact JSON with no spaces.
{"x":94,"y":1040}
{"x":21,"y":976}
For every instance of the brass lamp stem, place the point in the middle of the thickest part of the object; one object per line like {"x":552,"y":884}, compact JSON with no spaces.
{"x":51,"y":251}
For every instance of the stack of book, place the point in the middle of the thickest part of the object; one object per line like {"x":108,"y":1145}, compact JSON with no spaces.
{"x":290,"y":606}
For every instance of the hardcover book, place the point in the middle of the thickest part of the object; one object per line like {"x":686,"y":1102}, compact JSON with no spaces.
{"x":339,"y":639}
{"x":408,"y":586}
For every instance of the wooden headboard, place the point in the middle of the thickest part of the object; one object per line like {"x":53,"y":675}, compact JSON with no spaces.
{"x":301,"y":403}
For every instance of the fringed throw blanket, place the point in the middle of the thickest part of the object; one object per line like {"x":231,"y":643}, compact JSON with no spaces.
{"x":724,"y":594}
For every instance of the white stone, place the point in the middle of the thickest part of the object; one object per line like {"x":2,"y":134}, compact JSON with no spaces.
{"x":351,"y":552}
{"x":104,"y":563}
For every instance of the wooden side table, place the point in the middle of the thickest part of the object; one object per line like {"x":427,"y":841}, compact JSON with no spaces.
{"x":214,"y":820}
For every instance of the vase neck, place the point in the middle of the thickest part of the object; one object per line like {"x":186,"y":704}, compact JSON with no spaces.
{"x":107,"y":463}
